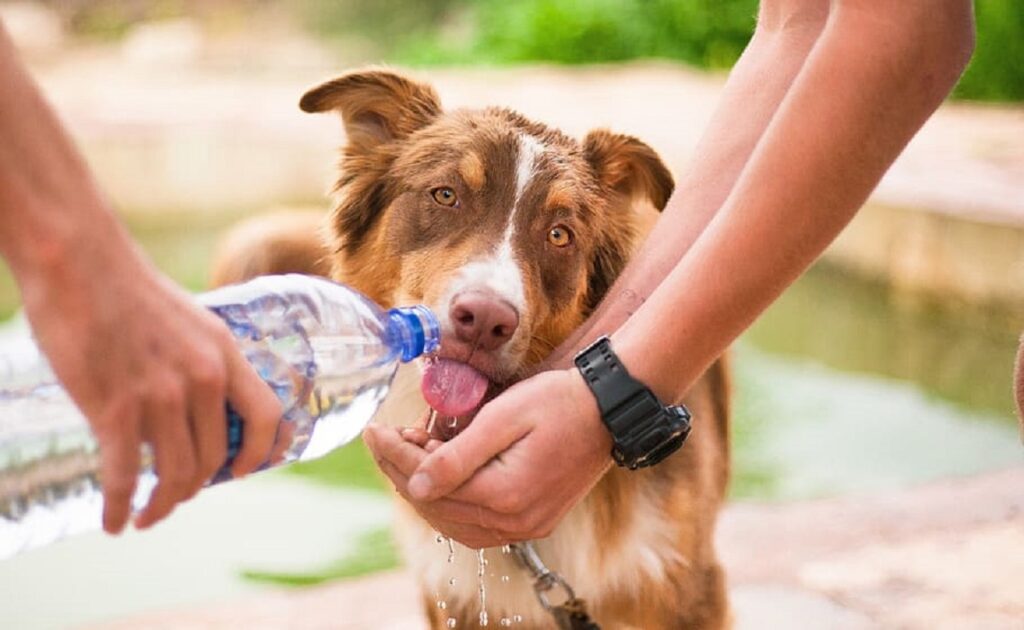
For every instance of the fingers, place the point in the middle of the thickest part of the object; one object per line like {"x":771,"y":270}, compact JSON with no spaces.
{"x":260,"y":411}
{"x":399,"y":458}
{"x":208,"y":420}
{"x":457,"y":460}
{"x":165,"y":427}
{"x":461,"y":522}
{"x":119,"y":469}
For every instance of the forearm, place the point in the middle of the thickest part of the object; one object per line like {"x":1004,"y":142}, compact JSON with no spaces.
{"x":48,"y":199}
{"x":875,"y":75}
{"x":786,"y":32}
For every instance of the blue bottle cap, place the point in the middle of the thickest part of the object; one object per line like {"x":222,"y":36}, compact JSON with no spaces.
{"x":416,"y":330}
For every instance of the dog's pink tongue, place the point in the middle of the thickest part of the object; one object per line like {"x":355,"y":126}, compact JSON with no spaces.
{"x":452,"y":388}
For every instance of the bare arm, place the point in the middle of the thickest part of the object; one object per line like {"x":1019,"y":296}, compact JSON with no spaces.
{"x":876,"y":74}
{"x":141,"y":360}
{"x":786,"y":32}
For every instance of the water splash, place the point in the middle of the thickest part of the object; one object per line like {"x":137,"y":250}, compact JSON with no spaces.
{"x":481,"y":574}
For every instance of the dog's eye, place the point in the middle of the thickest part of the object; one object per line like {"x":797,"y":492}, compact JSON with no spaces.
{"x":560,"y":236}
{"x":445,"y":196}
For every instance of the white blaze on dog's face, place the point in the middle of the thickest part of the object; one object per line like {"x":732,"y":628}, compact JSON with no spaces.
{"x":509,"y":230}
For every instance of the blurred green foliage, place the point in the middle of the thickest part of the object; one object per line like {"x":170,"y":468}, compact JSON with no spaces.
{"x":705,"y":33}
{"x":372,"y":552}
{"x":996,"y":72}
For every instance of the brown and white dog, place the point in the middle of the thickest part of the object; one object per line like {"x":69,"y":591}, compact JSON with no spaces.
{"x":512,"y":232}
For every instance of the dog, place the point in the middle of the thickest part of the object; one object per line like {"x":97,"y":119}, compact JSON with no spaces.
{"x":512,"y":232}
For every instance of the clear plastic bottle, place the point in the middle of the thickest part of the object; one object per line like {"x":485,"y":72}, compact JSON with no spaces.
{"x":328,"y":352}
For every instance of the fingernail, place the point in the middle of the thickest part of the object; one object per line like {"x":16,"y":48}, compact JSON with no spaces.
{"x":420,"y":486}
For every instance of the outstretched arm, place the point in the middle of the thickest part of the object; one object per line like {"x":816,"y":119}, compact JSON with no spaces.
{"x":140,"y":359}
{"x":872,"y":77}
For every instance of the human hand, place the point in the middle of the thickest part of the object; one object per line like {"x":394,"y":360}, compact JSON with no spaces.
{"x":528,"y":457}
{"x":145,"y":364}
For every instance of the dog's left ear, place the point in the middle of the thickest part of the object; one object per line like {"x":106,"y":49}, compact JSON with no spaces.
{"x":378,"y":108}
{"x":626,"y":165}
{"x":376,"y":105}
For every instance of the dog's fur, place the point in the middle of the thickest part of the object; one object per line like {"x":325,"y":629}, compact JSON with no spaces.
{"x":639,"y":547}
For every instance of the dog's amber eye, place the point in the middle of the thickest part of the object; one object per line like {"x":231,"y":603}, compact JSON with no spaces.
{"x":445,"y":196}
{"x":559,"y":236}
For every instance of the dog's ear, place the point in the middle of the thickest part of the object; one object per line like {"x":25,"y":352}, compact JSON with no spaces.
{"x":376,"y":106}
{"x":626,"y":165}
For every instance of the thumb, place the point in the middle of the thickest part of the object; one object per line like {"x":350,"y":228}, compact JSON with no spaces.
{"x":453,"y":463}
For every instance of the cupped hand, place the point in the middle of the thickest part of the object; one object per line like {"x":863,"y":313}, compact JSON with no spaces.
{"x":145,"y":364}
{"x":528,"y":457}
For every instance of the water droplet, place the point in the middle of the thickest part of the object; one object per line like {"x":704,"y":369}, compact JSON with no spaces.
{"x":451,"y":623}
{"x":442,"y":604}
{"x":517,"y":618}
{"x":451,"y":581}
{"x":439,"y":539}
{"x":506,"y":549}
{"x":505,"y":622}
{"x":505,"y":579}
{"x":483,"y":617}
{"x":451,"y":550}
{"x":453,"y":422}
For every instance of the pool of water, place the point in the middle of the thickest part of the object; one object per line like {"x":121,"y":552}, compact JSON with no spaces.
{"x":844,"y":386}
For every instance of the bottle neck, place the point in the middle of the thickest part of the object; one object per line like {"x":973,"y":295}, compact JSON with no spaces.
{"x":414,"y":330}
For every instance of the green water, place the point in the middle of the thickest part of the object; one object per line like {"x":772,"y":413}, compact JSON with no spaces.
{"x":843,"y":386}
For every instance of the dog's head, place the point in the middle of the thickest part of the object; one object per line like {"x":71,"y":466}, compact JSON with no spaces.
{"x":509,"y":230}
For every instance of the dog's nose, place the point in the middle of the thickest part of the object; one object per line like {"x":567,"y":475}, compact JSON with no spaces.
{"x":482,"y":319}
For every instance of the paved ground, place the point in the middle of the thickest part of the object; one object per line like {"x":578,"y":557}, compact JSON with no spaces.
{"x":947,"y":555}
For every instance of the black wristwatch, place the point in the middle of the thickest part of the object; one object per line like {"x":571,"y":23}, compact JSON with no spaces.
{"x":644,"y":431}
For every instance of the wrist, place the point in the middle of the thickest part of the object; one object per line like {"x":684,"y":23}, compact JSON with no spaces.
{"x":589,"y":415}
{"x":644,"y":430}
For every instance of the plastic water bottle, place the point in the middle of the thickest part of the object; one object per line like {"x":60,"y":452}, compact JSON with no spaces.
{"x":328,"y":352}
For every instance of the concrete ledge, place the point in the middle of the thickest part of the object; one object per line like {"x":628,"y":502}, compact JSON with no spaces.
{"x":950,"y":257}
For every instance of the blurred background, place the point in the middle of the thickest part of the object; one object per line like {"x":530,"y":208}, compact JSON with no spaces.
{"x":874,"y":397}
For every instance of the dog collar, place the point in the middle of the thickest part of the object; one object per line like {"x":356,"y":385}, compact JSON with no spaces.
{"x":644,"y":431}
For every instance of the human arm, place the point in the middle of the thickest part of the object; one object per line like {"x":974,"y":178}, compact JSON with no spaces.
{"x":139,"y":358}
{"x":873,"y":76}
